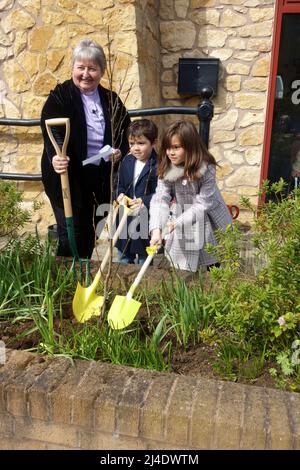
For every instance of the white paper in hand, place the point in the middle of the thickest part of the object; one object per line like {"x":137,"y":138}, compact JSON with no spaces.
{"x":104,"y":153}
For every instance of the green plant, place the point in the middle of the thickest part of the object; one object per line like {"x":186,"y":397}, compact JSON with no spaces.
{"x":263,"y":309}
{"x":29,"y":273}
{"x":13,"y":215}
{"x":187,"y":309}
{"x":244,"y":320}
{"x":285,"y":363}
{"x":288,"y":376}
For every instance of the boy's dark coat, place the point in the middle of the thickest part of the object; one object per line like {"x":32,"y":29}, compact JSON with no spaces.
{"x":144,"y":188}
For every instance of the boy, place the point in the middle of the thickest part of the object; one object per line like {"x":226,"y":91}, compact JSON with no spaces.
{"x":138,"y":180}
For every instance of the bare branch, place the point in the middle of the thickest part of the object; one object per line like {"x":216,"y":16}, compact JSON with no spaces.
{"x":117,"y":122}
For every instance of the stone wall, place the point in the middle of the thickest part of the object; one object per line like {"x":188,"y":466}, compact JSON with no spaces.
{"x":239,"y":33}
{"x":36,"y":40}
{"x":148,"y":38}
{"x":48,"y":403}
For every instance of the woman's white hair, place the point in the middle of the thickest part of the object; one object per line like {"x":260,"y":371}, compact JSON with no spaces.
{"x":89,"y":50}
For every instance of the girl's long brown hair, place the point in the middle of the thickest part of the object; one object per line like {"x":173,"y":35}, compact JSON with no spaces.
{"x":196,"y":151}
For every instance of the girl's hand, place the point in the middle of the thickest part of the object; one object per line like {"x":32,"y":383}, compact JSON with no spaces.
{"x":60,"y":164}
{"x":171,"y":225}
{"x":156,"y":238}
{"x":136,"y":203}
{"x":115,"y":157}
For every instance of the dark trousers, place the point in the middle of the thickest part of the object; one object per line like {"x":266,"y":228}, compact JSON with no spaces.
{"x":84,"y":222}
{"x":95,"y":190}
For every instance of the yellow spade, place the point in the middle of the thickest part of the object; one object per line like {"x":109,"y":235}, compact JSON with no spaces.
{"x":124,"y":309}
{"x":86,"y":302}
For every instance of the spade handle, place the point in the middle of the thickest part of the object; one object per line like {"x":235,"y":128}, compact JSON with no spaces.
{"x":62,"y":152}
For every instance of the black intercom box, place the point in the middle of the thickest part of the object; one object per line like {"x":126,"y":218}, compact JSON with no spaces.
{"x":195,"y":74}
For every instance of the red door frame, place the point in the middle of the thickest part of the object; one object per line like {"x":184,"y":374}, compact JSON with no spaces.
{"x":281,"y":7}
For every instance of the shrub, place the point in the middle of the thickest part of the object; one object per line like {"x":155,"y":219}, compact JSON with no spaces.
{"x":264,"y":310}
{"x":13,"y":216}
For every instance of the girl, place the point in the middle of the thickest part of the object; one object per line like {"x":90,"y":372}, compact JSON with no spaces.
{"x":187,"y":172}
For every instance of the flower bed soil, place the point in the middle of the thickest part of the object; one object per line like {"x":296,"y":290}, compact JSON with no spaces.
{"x":197,"y":361}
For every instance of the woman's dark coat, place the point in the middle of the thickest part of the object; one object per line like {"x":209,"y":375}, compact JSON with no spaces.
{"x":90,"y":180}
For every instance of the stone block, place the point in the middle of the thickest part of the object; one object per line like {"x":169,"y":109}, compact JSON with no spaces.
{"x":47,"y":382}
{"x":153,"y":414}
{"x":131,"y":401}
{"x":115,"y":380}
{"x":203,"y":415}
{"x":46,"y":432}
{"x":60,"y":399}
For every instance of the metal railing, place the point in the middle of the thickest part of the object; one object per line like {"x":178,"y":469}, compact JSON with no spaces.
{"x":204,"y":112}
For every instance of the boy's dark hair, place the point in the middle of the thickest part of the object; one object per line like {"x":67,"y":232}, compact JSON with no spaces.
{"x":143,"y":127}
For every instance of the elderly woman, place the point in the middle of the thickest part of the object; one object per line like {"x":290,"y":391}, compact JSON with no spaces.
{"x":97,"y":118}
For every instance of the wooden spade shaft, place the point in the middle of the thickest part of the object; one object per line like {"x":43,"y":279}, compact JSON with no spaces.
{"x":62,"y":152}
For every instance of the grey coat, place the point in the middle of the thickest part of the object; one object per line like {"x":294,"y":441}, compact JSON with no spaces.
{"x":199,"y":210}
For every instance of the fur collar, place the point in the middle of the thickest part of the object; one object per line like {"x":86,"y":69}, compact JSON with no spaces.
{"x":174,"y":172}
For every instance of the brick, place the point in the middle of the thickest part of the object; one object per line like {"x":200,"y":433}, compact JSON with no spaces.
{"x":47,"y":381}
{"x":86,"y":393}
{"x":17,"y":389}
{"x":132,"y":399}
{"x":6,"y":425}
{"x":105,"y":412}
{"x":124,"y":408}
{"x":229,"y":417}
{"x":21,"y":444}
{"x":202,"y":425}
{"x":103,"y":441}
{"x":157,"y":445}
{"x":58,"y":447}
{"x":179,"y":411}
{"x":152,"y":413}
{"x":60,"y":400}
{"x":281,"y":433}
{"x":15,"y":363}
{"x":293,"y":409}
{"x":255,"y":424}
{"x":46,"y":432}
{"x":15,"y":360}
{"x":106,"y":403}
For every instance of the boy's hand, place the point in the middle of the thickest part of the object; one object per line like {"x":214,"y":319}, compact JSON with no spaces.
{"x":120,"y":197}
{"x":136,"y":203}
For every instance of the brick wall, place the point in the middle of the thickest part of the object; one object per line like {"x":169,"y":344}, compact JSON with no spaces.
{"x":48,"y":403}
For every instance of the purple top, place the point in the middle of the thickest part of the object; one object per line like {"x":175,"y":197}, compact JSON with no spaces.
{"x":95,"y":122}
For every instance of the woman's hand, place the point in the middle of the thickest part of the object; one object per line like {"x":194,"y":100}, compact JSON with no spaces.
{"x":156,"y":238}
{"x":116,"y":155}
{"x":60,"y":164}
